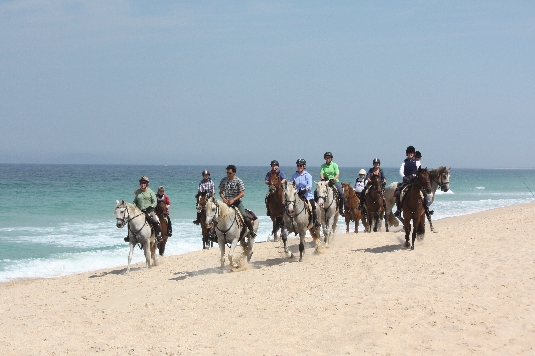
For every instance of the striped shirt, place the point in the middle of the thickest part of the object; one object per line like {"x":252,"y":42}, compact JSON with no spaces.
{"x":208,"y":186}
{"x":231,"y":188}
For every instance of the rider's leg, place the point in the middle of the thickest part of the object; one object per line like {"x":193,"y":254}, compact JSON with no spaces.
{"x":427,"y":200}
{"x":153,"y":219}
{"x":398,"y":203}
{"x":314,"y":214}
{"x":246,"y":219}
{"x":267,"y":199}
{"x":341,"y":197}
{"x":198,"y":220}
{"x":169,"y":227}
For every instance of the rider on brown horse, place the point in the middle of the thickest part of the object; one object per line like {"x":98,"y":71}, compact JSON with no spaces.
{"x":274,"y":168}
{"x":161,"y":196}
{"x":407,"y":171}
{"x":205,"y":186}
{"x":377,"y":171}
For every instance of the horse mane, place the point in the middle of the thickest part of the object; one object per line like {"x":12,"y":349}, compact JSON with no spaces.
{"x":224,"y":209}
{"x":435,"y":172}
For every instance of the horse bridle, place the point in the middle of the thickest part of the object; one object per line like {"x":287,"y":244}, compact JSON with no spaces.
{"x":440,"y":184}
{"x":127,"y":221}
{"x":214,"y":222}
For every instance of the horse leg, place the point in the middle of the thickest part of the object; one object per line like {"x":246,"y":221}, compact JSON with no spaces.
{"x":376,"y":222}
{"x":414,"y":234}
{"x":250,"y":243}
{"x":231,"y":252}
{"x":221,"y":243}
{"x":148,"y":248}
{"x":132,"y":245}
{"x":284,"y":236}
{"x":430,"y":223}
{"x":301,"y":245}
{"x":407,"y":226}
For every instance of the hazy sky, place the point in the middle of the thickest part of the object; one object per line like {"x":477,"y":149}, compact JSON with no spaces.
{"x":245,"y":82}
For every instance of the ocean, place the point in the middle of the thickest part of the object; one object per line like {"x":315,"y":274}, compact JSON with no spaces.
{"x":57,"y":220}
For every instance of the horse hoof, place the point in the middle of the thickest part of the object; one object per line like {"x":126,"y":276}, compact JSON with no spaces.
{"x":412,"y":247}
{"x":407,"y":244}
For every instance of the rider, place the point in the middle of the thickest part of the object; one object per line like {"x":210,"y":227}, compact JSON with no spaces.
{"x":407,"y":171}
{"x":274,"y":168}
{"x":303,"y":185}
{"x":376,"y":170}
{"x":145,"y":200}
{"x":329,"y":171}
{"x":161,"y":196}
{"x":231,"y":190}
{"x":360,"y":182}
{"x":206,"y":185}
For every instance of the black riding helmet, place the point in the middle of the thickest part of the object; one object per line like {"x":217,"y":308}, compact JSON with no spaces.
{"x":410,"y":149}
{"x":274,"y":163}
{"x":205,"y":172}
{"x":327,"y":154}
{"x":376,"y":160}
{"x":301,"y":161}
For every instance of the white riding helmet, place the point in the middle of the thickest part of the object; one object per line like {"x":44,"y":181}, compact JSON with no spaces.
{"x":362,"y":171}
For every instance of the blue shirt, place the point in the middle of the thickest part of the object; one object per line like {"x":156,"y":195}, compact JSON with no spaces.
{"x":370,"y":174}
{"x":303,"y":181}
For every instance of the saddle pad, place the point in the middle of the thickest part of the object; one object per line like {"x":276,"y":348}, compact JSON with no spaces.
{"x":251,"y":215}
{"x":404,"y":191}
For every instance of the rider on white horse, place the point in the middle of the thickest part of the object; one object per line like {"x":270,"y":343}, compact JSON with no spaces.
{"x":329,"y":171}
{"x":146,"y":201}
{"x":231,"y":190}
{"x":303,"y":186}
{"x":274,"y":168}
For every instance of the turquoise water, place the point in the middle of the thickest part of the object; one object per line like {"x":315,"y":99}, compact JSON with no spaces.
{"x":58,"y":219}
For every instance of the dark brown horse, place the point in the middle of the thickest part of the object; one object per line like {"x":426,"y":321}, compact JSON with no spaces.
{"x":351,"y":210}
{"x":412,"y":206}
{"x":160,"y":212}
{"x":276,"y":202}
{"x":375,"y":203}
{"x":205,"y":229}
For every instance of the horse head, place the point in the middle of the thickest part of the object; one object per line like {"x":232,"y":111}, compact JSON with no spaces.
{"x":202,"y":197}
{"x":349,"y":192}
{"x":161,"y":207}
{"x":290,"y":197}
{"x":422,"y":177}
{"x":212,"y":210}
{"x":377,"y":184}
{"x":443,"y":178}
{"x":274,"y":181}
{"x":322,"y":192}
{"x":121,"y":211}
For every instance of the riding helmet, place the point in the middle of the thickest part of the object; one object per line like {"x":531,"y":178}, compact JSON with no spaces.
{"x":327,"y":154}
{"x":144,"y":179}
{"x":274,"y":163}
{"x":376,"y":160}
{"x":418,"y":154}
{"x":362,"y":171}
{"x":410,"y":149}
{"x":301,"y":161}
{"x":205,"y":172}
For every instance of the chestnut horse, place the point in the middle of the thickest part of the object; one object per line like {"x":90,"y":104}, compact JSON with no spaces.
{"x":160,"y":212}
{"x":207,"y":231}
{"x":375,"y":204}
{"x":351,"y":210}
{"x":276,"y":202}
{"x":412,"y":205}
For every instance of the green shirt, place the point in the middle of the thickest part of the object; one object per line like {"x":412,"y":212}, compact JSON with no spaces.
{"x":145,"y":199}
{"x":329,"y":171}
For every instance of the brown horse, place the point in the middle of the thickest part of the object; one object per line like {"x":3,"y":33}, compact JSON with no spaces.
{"x":375,"y":204}
{"x":412,"y":206}
{"x":206,"y":230}
{"x":276,"y":202}
{"x":351,"y":210}
{"x":160,"y":212}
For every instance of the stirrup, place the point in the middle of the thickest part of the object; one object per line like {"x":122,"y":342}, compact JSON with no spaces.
{"x":397,"y":213}
{"x":127,"y":239}
{"x":159,"y":238}
{"x":252,"y":233}
{"x":196,"y":222}
{"x":317,"y":223}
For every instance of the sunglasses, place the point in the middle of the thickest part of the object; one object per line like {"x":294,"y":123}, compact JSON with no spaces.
{"x":230,"y":173}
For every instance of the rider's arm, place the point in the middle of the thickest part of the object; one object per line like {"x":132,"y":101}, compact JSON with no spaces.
{"x":237,"y":197}
{"x":402,"y":170}
{"x":336,"y":172}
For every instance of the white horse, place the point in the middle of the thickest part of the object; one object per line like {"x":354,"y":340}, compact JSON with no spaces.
{"x":139,"y":230}
{"x":440,"y":177}
{"x":228,"y":228}
{"x":327,"y":208}
{"x":297,"y":219}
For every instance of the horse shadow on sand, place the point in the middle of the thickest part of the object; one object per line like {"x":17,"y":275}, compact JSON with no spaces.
{"x":381,"y":249}
{"x":117,"y":272}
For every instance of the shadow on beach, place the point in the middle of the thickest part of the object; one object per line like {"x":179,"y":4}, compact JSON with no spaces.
{"x":381,"y":249}
{"x":116,"y":272}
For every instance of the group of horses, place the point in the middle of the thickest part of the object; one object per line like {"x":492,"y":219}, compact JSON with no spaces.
{"x":291,"y":213}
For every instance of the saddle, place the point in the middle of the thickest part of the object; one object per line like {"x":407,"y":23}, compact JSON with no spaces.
{"x":404,"y":191}
{"x":252,"y":216}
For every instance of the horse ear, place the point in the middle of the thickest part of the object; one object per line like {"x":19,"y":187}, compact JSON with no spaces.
{"x":116,"y":202}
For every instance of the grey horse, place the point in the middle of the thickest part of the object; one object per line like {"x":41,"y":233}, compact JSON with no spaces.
{"x":327,"y":208}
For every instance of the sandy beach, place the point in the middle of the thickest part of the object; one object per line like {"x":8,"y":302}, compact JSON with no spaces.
{"x":468,"y":289}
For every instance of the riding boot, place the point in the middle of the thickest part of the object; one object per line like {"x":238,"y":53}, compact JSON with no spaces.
{"x":341,"y":207}
{"x":398,"y":210}
{"x":315,"y":218}
{"x":198,"y":220}
{"x":169,"y":227}
{"x":158,"y":232}
{"x":249,"y":225}
{"x":267,"y":204}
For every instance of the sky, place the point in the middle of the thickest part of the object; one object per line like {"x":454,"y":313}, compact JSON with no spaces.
{"x":246,"y":82}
